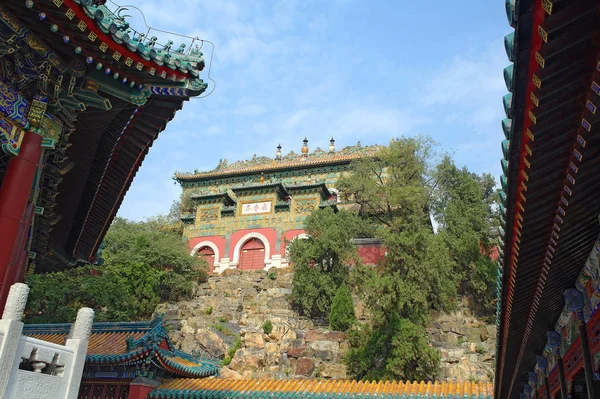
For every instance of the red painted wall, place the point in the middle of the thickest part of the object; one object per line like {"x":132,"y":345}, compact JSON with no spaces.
{"x":217,"y":240}
{"x":139,"y":391}
{"x":270,"y":234}
{"x":491,"y":252}
{"x":371,"y":254}
{"x":287,"y":237}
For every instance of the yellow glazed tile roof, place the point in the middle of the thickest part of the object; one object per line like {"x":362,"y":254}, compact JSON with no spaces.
{"x":215,"y":388}
{"x":293,"y":160}
{"x":100,"y":343}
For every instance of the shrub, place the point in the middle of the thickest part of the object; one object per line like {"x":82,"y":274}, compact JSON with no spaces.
{"x":398,"y":349}
{"x":208,"y":311}
{"x":232,"y":350}
{"x":272,"y":276}
{"x":267,"y":327}
{"x":341,"y":316}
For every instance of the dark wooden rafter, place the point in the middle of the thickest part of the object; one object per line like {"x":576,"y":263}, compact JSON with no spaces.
{"x":92,"y":167}
{"x":556,"y":63}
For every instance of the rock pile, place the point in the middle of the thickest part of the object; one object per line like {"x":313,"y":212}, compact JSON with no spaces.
{"x":227,"y":320}
{"x":467,"y":345}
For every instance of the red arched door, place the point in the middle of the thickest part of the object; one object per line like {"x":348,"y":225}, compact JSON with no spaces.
{"x":252,"y":256}
{"x":208,"y":255}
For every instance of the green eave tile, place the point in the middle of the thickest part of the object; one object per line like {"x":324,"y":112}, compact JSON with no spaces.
{"x":502,"y":195}
{"x":507,"y":128}
{"x":505,"y":148}
{"x":504,"y":163}
{"x":511,"y":12}
{"x":508,"y":77}
{"x":504,"y":182}
{"x":509,"y":46}
{"x":507,"y":102}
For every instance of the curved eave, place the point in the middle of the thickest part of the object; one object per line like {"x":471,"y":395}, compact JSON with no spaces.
{"x":532,"y":291}
{"x":126,"y":157}
{"x":270,"y":168}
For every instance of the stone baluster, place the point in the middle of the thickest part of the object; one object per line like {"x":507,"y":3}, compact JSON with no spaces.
{"x":78,"y":341}
{"x":11,"y":328}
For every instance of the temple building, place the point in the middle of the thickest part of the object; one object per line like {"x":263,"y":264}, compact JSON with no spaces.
{"x":83,"y":95}
{"x":244,"y":215}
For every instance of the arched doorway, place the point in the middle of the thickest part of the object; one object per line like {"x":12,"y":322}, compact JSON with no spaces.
{"x":252,"y":255}
{"x":208,"y":255}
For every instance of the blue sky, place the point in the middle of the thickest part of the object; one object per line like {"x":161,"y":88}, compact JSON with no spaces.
{"x":352,"y":69}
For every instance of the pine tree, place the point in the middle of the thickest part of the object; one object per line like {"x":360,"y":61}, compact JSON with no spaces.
{"x":341,"y":316}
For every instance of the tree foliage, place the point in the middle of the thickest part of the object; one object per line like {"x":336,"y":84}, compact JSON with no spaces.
{"x":464,"y":211}
{"x":320,"y":261}
{"x":396,"y":349}
{"x":399,"y":192}
{"x":145,"y":263}
{"x":342,"y":316}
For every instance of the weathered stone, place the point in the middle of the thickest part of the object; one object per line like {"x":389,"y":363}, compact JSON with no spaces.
{"x":187,"y":329}
{"x":304,"y":366}
{"x":247,"y":359}
{"x":280,"y":329}
{"x":335,"y":336}
{"x":324,"y":355}
{"x":312,"y":336}
{"x":325,"y":346}
{"x":272,"y":350}
{"x":253,"y":338}
{"x":300,"y":352}
{"x":211,"y":342}
{"x":229,"y":374}
{"x":332,"y":370}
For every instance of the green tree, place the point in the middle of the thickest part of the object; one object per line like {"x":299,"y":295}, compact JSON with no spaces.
{"x":144,"y":264}
{"x":464,"y":210}
{"x":395,"y":186}
{"x":396,"y":189}
{"x":394,"y":350}
{"x":342,"y":316}
{"x":320,"y":261}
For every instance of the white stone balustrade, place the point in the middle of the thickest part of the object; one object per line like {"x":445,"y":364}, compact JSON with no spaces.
{"x":56,"y":369}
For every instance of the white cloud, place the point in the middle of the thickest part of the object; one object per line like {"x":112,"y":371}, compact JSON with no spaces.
{"x":279,"y":80}
{"x":468,"y":78}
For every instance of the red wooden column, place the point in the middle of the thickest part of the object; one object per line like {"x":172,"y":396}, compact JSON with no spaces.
{"x":14,"y":195}
{"x":141,"y":387}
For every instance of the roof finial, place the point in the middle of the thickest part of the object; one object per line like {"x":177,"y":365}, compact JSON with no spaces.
{"x":278,"y":153}
{"x":305,"y":147}
{"x":331,"y":146}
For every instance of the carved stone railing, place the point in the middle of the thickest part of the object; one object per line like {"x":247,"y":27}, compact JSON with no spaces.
{"x":32,"y":368}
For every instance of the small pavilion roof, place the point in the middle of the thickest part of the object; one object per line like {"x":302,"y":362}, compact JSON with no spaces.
{"x":118,"y":344}
{"x":258,"y":389}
